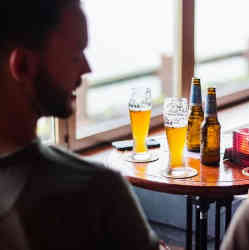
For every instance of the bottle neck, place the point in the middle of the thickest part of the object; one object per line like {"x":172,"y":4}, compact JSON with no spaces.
{"x":195,"y":95}
{"x":196,"y":108}
{"x":211,"y":118}
{"x":211,"y":106}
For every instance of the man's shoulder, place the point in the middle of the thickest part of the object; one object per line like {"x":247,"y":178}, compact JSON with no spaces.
{"x":63,"y":158}
{"x":59,"y":164}
{"x":59,"y":171}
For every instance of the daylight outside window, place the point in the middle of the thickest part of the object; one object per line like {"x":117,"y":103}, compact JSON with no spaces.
{"x":129,"y":44}
{"x":132,"y":43}
{"x":222,"y":45}
{"x":46,"y":130}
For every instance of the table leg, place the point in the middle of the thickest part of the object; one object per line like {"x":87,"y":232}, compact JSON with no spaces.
{"x":227,"y":203}
{"x":201,"y":215}
{"x":203,"y":226}
{"x":189,"y":223}
{"x":197,"y":227}
{"x":201,"y":209}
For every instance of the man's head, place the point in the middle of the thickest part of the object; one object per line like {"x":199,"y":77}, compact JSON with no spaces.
{"x":42,"y":57}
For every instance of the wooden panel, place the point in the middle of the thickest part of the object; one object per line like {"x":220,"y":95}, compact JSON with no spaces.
{"x":61,"y":132}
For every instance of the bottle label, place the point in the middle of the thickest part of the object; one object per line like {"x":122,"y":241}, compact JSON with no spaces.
{"x":211,"y":108}
{"x":195,"y":95}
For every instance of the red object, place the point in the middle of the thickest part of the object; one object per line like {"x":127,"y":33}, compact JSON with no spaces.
{"x":239,"y":153}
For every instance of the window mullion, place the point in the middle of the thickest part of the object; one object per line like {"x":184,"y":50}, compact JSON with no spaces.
{"x":61,"y":132}
{"x":184,"y":52}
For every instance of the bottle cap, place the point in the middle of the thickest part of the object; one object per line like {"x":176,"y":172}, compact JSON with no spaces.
{"x":211,"y":88}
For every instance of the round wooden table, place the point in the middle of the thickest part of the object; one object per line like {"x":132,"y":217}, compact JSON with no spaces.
{"x":212,"y":184}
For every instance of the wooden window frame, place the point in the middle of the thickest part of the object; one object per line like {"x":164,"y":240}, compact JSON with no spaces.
{"x":182,"y":72}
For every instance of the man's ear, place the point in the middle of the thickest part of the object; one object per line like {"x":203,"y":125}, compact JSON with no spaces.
{"x":22,"y":64}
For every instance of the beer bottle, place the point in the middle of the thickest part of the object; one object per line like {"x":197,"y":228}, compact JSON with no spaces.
{"x":196,"y":116}
{"x":210,"y":132}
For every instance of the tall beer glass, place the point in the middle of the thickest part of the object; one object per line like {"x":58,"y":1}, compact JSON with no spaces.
{"x":140,"y":111}
{"x":175,"y":123}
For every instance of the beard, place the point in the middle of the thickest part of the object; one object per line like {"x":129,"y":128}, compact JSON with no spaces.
{"x":51,"y":99}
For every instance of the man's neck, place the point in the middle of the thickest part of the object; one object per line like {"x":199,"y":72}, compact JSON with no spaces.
{"x":14,"y":136}
{"x":18,"y":115}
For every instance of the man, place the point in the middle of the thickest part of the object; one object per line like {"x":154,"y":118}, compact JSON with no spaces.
{"x":49,"y":198}
{"x":237,"y":235}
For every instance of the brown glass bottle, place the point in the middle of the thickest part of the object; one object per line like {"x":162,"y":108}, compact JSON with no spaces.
{"x":195,"y":117}
{"x":210,"y":132}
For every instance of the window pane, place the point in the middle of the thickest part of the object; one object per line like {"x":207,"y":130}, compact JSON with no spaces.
{"x":126,"y":45}
{"x":46,"y":130}
{"x":222,"y":30}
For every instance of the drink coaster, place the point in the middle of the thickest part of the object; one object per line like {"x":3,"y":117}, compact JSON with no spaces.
{"x":180,"y":173}
{"x":152,"y":156}
{"x":245,"y":171}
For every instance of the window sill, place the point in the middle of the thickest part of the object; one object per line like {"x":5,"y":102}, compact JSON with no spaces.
{"x":230,"y":118}
{"x":113,"y":130}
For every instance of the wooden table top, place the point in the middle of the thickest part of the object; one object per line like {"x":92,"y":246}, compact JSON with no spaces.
{"x":211,"y":182}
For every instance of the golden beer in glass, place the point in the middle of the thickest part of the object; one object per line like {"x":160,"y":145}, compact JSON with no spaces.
{"x":140,"y":123}
{"x":175,"y":115}
{"x":140,"y":111}
{"x":176,"y":138}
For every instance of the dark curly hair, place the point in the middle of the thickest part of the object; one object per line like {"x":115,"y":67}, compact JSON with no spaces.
{"x":28,"y":23}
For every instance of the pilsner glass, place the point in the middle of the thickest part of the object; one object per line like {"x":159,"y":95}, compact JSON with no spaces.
{"x":140,"y":111}
{"x":175,"y":122}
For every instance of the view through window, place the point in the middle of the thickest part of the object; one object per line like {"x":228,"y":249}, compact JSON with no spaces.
{"x":46,"y":129}
{"x":128,"y":44}
{"x":222,"y":45}
{"x":132,"y":43}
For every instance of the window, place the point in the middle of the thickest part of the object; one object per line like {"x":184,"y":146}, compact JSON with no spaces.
{"x":46,"y":130}
{"x":131,"y":43}
{"x":222,"y":47}
{"x":135,"y":42}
